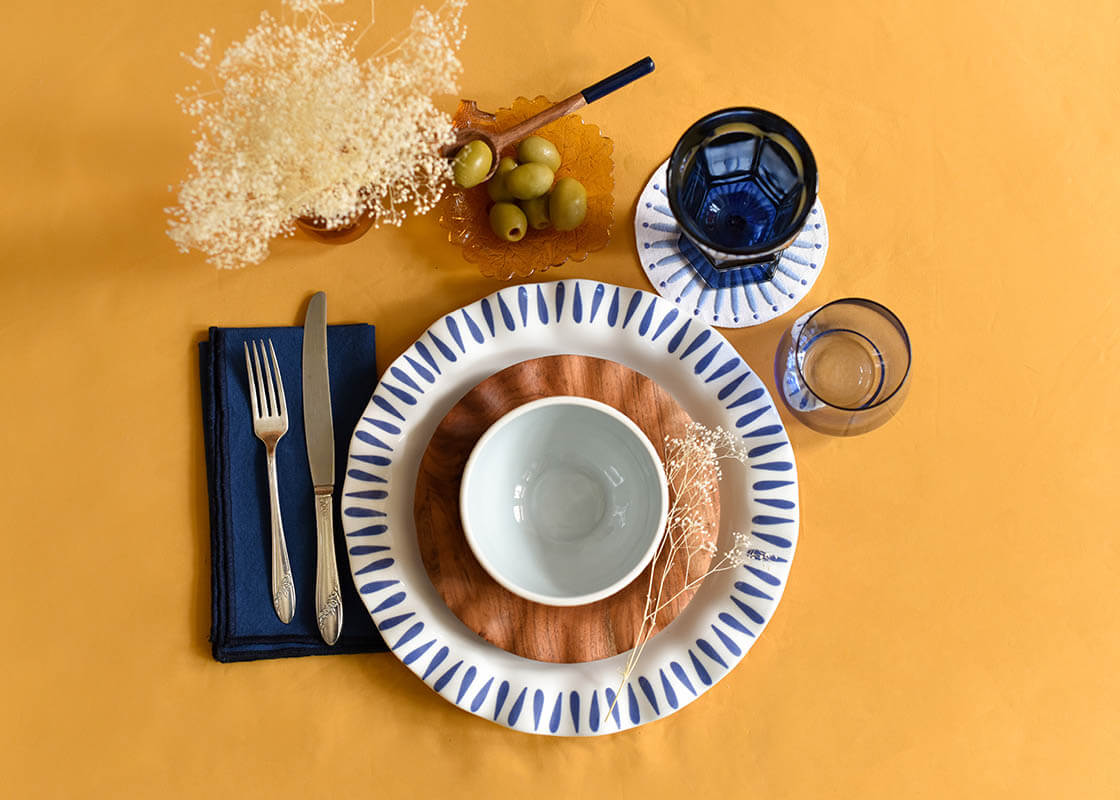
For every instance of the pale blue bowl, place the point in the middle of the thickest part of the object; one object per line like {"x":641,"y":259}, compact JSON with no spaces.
{"x":564,"y":501}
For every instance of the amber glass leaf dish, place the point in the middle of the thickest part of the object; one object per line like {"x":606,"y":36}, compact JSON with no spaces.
{"x":586,"y":156}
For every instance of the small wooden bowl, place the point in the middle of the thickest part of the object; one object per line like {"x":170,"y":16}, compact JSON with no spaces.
{"x":317,"y":230}
{"x":586,"y":156}
{"x":543,"y":633}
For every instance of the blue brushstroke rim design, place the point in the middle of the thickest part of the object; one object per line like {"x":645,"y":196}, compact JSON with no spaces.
{"x":644,"y":332}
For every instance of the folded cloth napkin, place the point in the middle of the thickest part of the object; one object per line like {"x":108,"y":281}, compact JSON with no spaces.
{"x":244,"y":625}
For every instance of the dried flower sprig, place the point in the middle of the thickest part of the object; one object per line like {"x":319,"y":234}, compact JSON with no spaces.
{"x":693,"y":467}
{"x":297,"y":125}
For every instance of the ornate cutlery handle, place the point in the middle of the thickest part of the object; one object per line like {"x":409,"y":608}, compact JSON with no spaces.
{"x":283,"y":589}
{"x":328,"y":595}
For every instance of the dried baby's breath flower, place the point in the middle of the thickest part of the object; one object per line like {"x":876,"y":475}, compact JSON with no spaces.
{"x":310,"y":6}
{"x":693,"y":469}
{"x":296,"y":125}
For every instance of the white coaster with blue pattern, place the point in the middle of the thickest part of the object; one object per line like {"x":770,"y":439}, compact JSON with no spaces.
{"x":709,"y":379}
{"x":674,"y":278}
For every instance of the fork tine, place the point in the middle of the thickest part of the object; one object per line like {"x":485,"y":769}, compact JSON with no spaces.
{"x":279,"y":381}
{"x":269,"y":381}
{"x":260,"y":383}
{"x":252,"y":386}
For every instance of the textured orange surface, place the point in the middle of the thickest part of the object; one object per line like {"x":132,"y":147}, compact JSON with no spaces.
{"x":950,"y":629}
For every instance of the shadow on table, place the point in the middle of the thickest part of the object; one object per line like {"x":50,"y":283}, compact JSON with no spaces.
{"x":199,"y":513}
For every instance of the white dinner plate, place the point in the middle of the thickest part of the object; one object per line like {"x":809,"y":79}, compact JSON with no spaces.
{"x":702,"y":372}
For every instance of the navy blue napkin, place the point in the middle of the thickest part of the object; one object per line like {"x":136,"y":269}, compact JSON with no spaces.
{"x":244,"y":625}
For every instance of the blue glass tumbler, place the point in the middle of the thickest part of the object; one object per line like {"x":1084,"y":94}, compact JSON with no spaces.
{"x":741,"y":183}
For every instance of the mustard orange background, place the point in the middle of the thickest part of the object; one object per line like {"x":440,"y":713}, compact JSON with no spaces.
{"x":950,"y":628}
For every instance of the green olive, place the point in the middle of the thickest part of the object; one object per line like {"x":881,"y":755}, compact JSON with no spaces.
{"x":496,"y":186}
{"x":567,"y":205}
{"x":529,"y":181}
{"x":536,"y":211}
{"x":472,"y":164}
{"x":508,"y":221}
{"x":539,"y":150}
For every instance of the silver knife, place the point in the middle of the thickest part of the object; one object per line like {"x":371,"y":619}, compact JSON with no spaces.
{"x":319,"y":430}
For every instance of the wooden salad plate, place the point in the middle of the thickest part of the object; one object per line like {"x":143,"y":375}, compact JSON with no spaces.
{"x":543,"y":633}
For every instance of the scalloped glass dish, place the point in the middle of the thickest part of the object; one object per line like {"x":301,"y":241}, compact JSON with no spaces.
{"x":587,"y":157}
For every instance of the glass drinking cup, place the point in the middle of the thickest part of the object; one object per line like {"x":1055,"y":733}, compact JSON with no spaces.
{"x":741,"y":183}
{"x":842,"y":368}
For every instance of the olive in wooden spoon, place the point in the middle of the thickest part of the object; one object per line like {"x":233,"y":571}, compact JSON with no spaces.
{"x":469,"y":160}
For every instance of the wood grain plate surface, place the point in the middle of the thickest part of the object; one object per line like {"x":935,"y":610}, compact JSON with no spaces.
{"x":543,"y":633}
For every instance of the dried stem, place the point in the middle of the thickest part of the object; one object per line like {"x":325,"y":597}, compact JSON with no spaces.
{"x":693,"y":469}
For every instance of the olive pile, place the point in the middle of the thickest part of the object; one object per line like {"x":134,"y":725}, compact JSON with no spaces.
{"x":523,"y":191}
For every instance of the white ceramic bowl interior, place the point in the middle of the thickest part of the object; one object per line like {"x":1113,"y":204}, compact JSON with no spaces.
{"x":564,"y":500}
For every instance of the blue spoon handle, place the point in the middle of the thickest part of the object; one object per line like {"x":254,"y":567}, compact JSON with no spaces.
{"x":624,"y":76}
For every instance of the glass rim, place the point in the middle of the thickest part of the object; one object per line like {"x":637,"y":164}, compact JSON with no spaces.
{"x":887,"y":313}
{"x":810,"y":178}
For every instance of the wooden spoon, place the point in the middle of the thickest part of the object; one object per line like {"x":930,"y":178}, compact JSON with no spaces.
{"x":498,"y":141}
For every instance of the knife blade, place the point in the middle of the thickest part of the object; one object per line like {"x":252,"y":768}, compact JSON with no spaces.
{"x":318,"y":427}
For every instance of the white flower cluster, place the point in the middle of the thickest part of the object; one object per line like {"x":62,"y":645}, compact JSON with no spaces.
{"x":694,"y":470}
{"x":299,"y":126}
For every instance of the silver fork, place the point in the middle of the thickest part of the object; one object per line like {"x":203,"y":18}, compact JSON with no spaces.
{"x":270,"y":422}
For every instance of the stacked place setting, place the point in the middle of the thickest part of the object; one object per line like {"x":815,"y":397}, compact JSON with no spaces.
{"x":382,"y":502}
